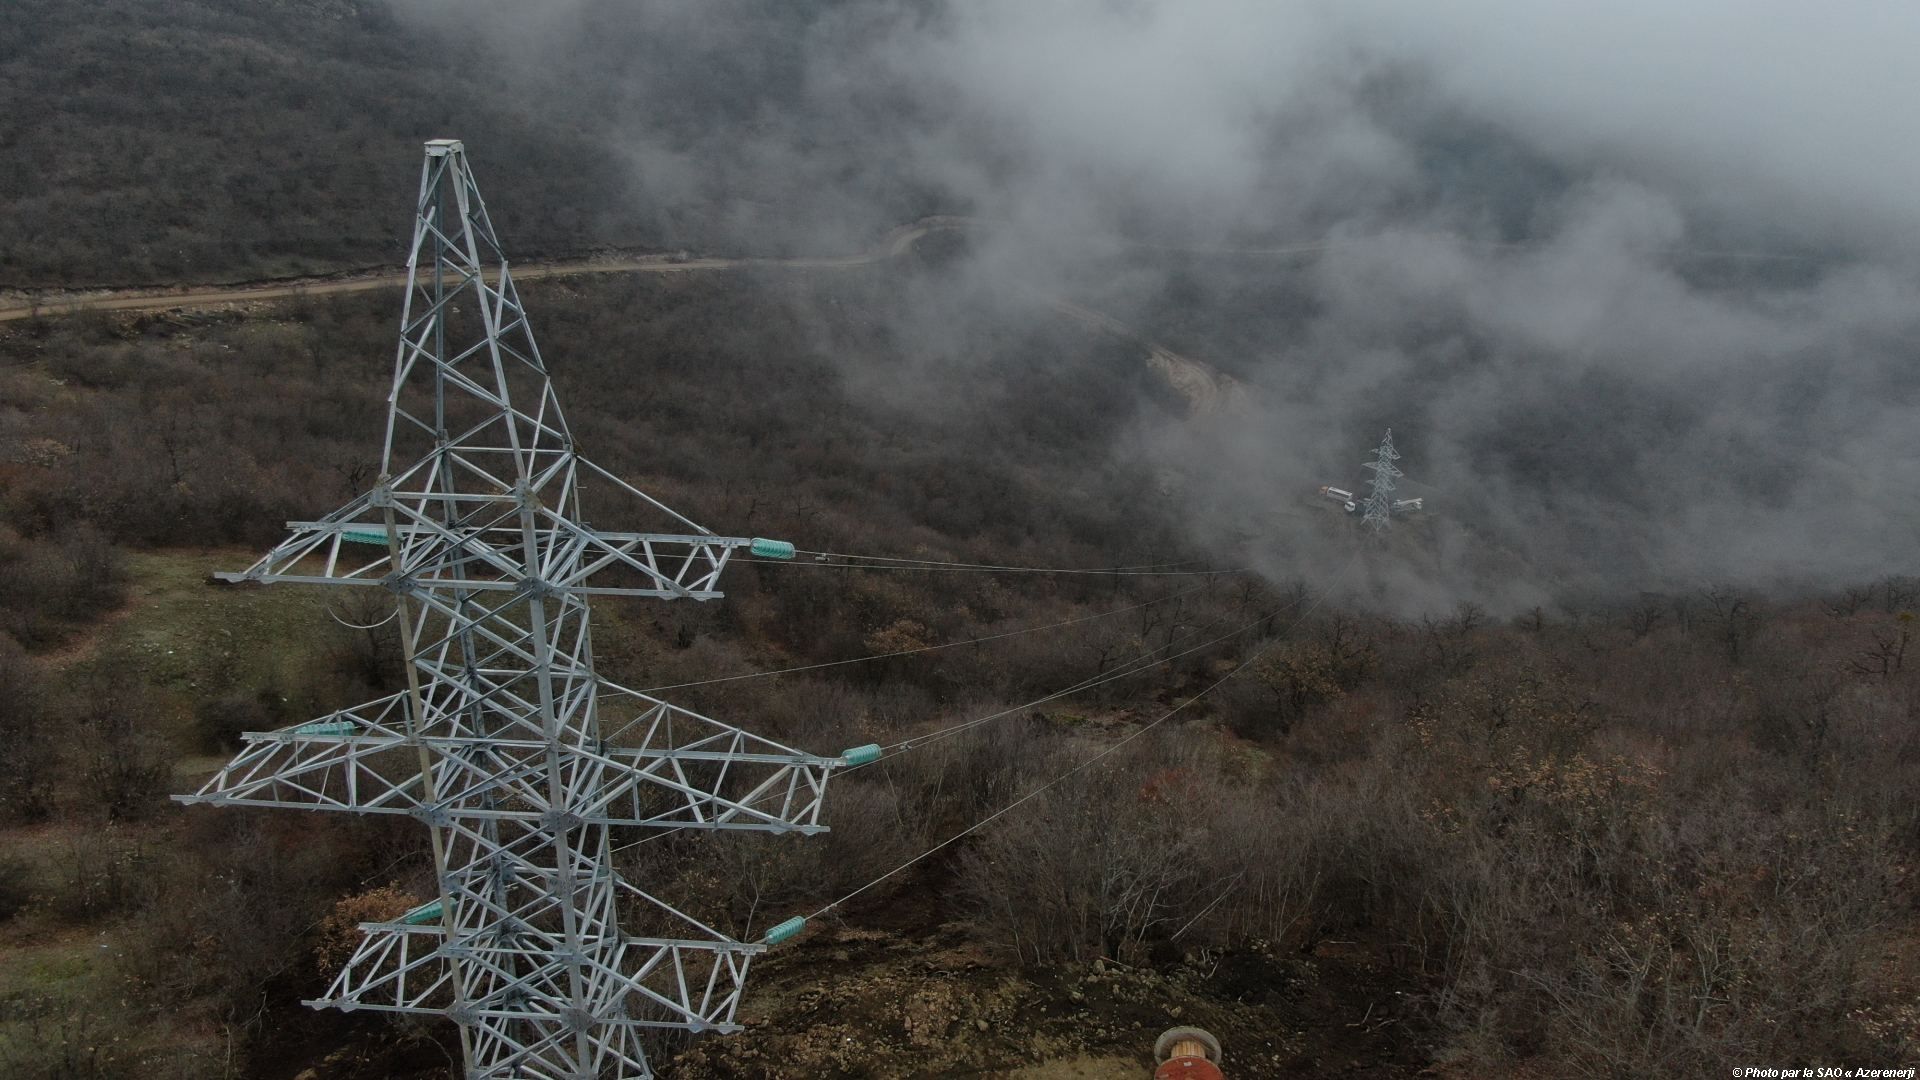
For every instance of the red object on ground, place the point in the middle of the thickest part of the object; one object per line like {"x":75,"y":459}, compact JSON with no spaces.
{"x":1186,"y":1053}
{"x":1187,"y":1068}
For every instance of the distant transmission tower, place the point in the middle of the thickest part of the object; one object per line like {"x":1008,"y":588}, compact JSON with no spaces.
{"x":517,"y":757}
{"x":1379,"y":502}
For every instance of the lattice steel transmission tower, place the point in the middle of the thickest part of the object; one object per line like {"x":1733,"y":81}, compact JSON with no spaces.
{"x":506,"y":744}
{"x":1378,"y":507}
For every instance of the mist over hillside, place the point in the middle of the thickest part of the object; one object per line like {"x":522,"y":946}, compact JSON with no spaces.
{"x":1634,"y":289}
{"x":1033,"y":329}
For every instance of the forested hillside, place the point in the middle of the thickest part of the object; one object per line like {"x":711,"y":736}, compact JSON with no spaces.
{"x":1606,"y":764}
{"x":226,"y":140}
{"x":1655,"y":833}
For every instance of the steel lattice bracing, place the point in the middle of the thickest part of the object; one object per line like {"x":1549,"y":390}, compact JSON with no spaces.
{"x":1379,"y":501}
{"x":511,"y":750}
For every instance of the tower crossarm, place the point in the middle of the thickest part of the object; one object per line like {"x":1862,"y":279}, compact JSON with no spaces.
{"x":356,"y":548}
{"x":395,"y":968}
{"x":671,"y":566}
{"x":675,"y":790}
{"x":689,"y":978}
{"x":677,"y":769}
{"x":342,"y":761}
{"x":685,"y":984}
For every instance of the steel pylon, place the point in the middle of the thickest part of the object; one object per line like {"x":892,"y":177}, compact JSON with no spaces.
{"x":506,"y":744}
{"x":1379,"y":503}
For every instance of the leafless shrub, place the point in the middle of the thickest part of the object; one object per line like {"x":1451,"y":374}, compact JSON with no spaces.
{"x":42,"y":1040}
{"x":1848,"y":602}
{"x":1898,"y":592}
{"x":124,"y":764}
{"x":339,"y":933}
{"x":29,"y":768}
{"x":99,"y":874}
{"x":1087,"y":871}
{"x":747,"y":881}
{"x":1887,"y":656}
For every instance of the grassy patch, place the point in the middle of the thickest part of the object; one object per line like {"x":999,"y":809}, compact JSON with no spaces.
{"x":189,"y":636}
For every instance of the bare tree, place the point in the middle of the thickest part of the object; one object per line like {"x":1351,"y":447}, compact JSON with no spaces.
{"x":1732,"y":616}
{"x":1898,"y":592}
{"x":1849,"y":601}
{"x":1646,"y":614}
{"x":1888,"y":654}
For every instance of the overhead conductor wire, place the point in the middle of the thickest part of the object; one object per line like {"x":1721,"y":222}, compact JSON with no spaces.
{"x":924,"y":648}
{"x":1080,"y":768}
{"x":886,"y":562}
{"x":956,"y":643}
{"x":1132,"y":666}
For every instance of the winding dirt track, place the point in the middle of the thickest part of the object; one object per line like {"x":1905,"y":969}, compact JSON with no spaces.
{"x":26,"y":304}
{"x":1205,"y":389}
{"x":895,"y":244}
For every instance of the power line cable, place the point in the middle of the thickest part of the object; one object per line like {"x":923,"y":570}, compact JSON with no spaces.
{"x":926,"y":648}
{"x":990,"y":566}
{"x":929,"y":738}
{"x":1072,"y":689}
{"x":1132,"y":666}
{"x":964,"y":568}
{"x":1077,"y":769}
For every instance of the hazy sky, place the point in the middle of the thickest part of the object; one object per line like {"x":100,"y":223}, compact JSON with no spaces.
{"x":1609,"y":402}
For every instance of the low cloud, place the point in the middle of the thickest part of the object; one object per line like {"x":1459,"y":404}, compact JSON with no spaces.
{"x":1633,"y":285}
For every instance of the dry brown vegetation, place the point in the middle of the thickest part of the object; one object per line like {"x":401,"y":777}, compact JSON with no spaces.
{"x":220,"y":140}
{"x":1645,"y":837}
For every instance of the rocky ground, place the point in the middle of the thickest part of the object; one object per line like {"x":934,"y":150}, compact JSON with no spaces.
{"x":881,"y":994}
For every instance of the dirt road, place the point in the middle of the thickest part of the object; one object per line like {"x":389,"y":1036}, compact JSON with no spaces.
{"x":893,"y":245}
{"x":1205,"y":389}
